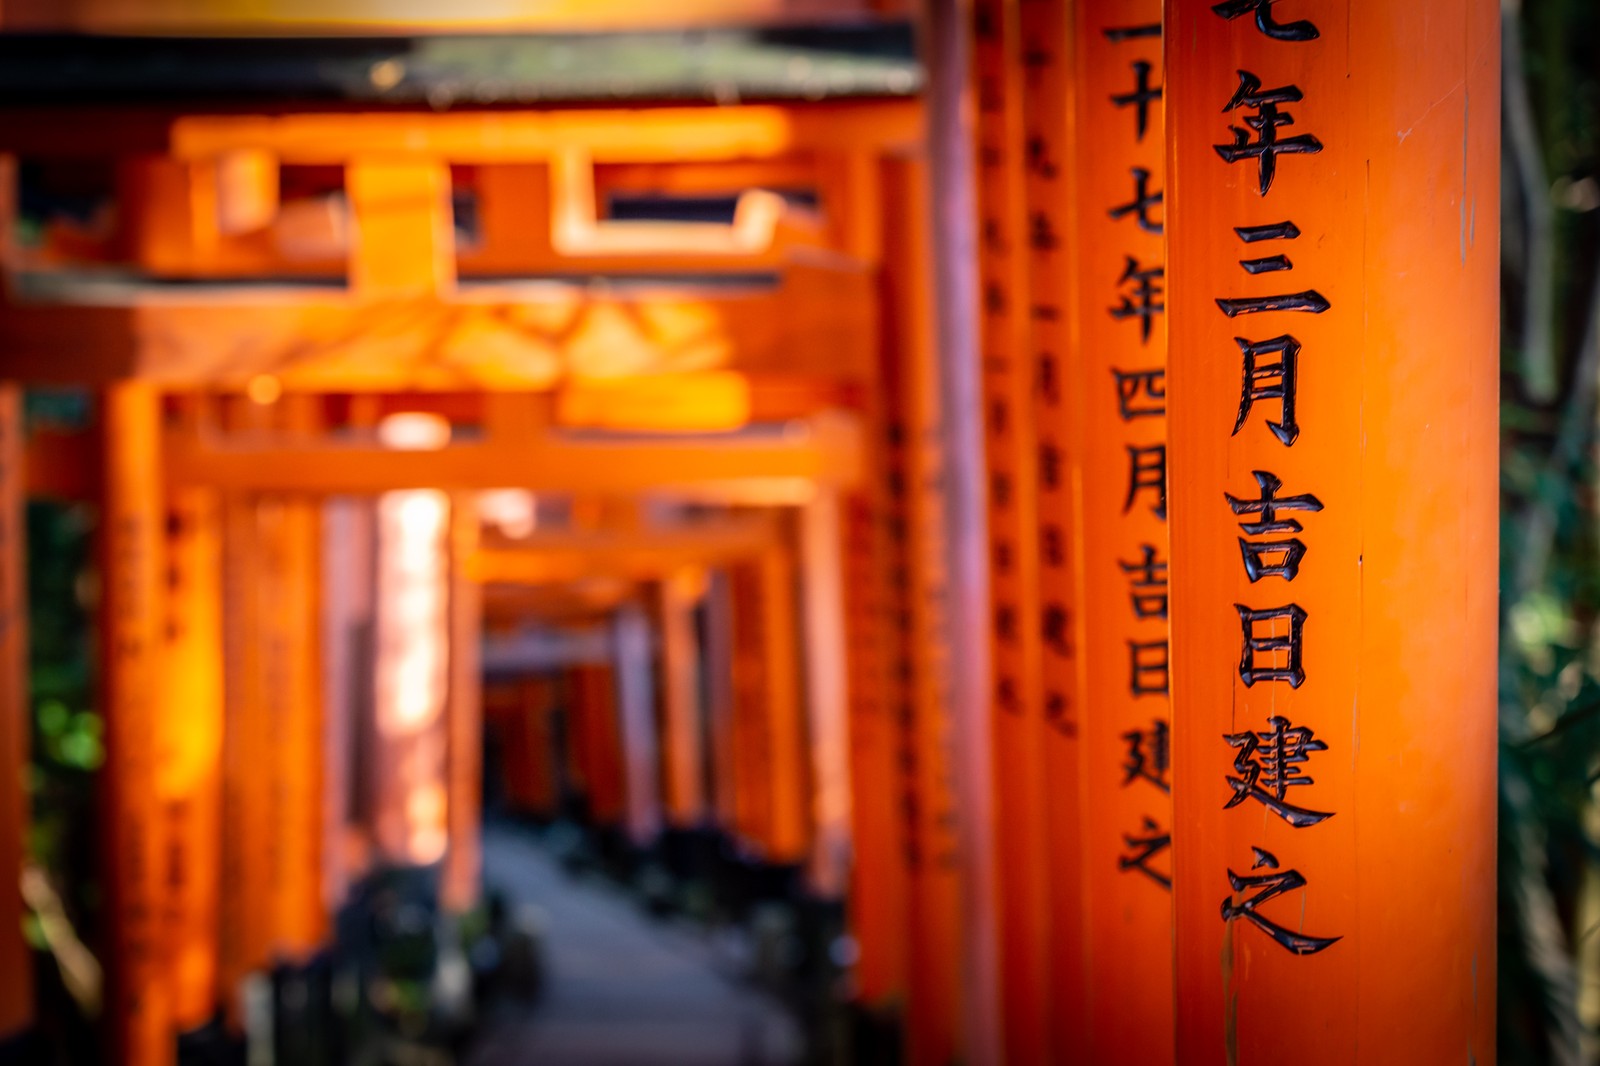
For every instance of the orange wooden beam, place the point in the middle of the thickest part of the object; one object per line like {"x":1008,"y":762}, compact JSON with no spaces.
{"x":16,"y":714}
{"x":1334,"y":192}
{"x":643,"y":135}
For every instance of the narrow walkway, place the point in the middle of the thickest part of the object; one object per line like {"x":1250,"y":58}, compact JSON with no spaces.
{"x":621,"y":989}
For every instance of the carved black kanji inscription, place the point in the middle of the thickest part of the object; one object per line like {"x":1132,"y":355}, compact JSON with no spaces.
{"x":1266,"y":264}
{"x":1300,"y":30}
{"x":1311,"y":302}
{"x":1272,"y":558}
{"x":1268,"y":504}
{"x":1143,"y":300}
{"x":1143,"y":200}
{"x":1140,"y":393}
{"x":1266,"y":886}
{"x":1149,"y":755}
{"x":1269,"y":764}
{"x":1265,"y":124}
{"x":1266,"y":654}
{"x":1144,"y":846}
{"x":1270,"y":380}
{"x":1147,"y":472}
{"x":1148,"y":667}
{"x":1271,"y":231}
{"x":1147,"y":583}
{"x":1119,"y":34}
{"x":1139,"y":98}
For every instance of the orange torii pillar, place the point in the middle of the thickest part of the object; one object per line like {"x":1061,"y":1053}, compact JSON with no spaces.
{"x":460,"y":884}
{"x":922,"y":660}
{"x":595,"y":744}
{"x":16,"y":960}
{"x":683,"y":761}
{"x":190,"y":771}
{"x":769,"y":768}
{"x":721,"y":700}
{"x":827,"y":693}
{"x":633,"y":671}
{"x":139,"y":1000}
{"x":879,"y":873}
{"x":1098,"y":229}
{"x":1333,"y":322}
{"x":289,"y":654}
{"x":1017,"y":713}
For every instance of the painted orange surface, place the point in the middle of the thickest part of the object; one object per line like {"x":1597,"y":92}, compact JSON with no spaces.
{"x":593,"y":700}
{"x":877,"y":886}
{"x":1017,"y":711}
{"x":460,"y":884}
{"x":683,"y":757}
{"x":1116,"y":218}
{"x":191,"y":753}
{"x":1353,"y":913}
{"x":16,"y":969}
{"x":922,"y":645}
{"x":1050,"y":92}
{"x":139,"y":998}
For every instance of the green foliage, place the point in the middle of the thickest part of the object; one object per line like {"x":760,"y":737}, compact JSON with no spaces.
{"x":1549,"y":850}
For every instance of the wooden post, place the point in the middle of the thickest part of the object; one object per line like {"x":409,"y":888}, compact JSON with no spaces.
{"x":923,"y":662}
{"x":1334,"y":222}
{"x":139,"y":1000}
{"x":16,"y":961}
{"x":721,"y":699}
{"x":347,"y":572}
{"x":460,"y":887}
{"x":246,"y":809}
{"x":827,"y":694}
{"x":289,"y":655}
{"x":191,"y":752}
{"x":636,"y":724}
{"x":1098,"y":235}
{"x":878,"y":871}
{"x":1017,"y":715}
{"x":684,"y":761}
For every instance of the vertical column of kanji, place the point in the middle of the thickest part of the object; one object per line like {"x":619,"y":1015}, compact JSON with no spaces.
{"x":139,"y":1001}
{"x":191,"y":751}
{"x":1334,"y":350}
{"x":1048,"y":94}
{"x":1117,"y":170}
{"x":459,"y":885}
{"x":16,"y":966}
{"x":877,"y":873}
{"x":1020,"y":851}
{"x":922,"y":643}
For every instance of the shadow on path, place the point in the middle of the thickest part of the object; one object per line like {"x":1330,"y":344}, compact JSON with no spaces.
{"x":621,"y":988}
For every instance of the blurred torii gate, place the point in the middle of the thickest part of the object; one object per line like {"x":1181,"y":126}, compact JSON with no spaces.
{"x":222,"y":305}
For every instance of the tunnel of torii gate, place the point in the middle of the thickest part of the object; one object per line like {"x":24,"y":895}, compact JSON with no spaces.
{"x":1047,"y":506}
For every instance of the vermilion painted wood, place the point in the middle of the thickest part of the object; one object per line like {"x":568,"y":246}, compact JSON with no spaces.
{"x":918,"y":523}
{"x":1396,"y":405}
{"x":191,"y":753}
{"x":460,"y":884}
{"x":139,"y":997}
{"x":1050,"y":178}
{"x":16,"y":967}
{"x":1017,"y":708}
{"x":1114,"y":169}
